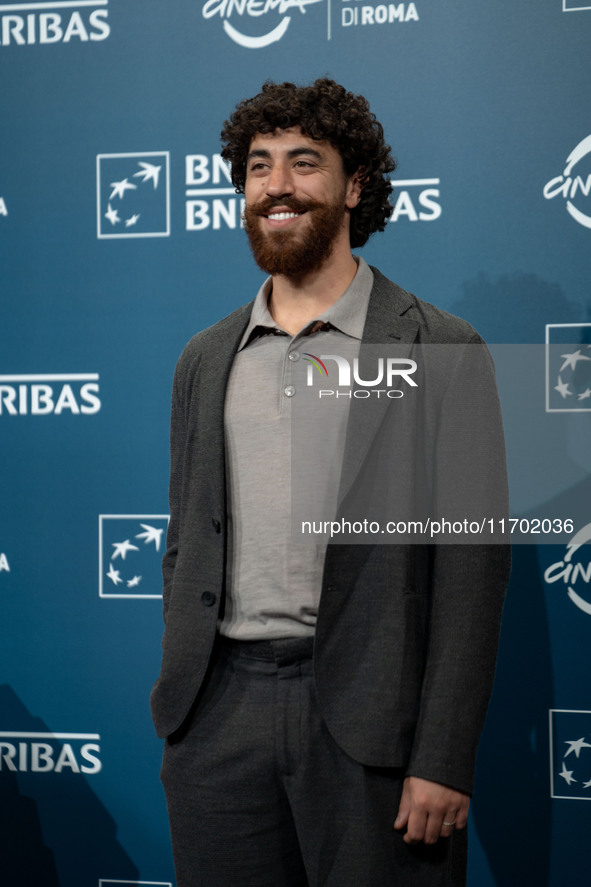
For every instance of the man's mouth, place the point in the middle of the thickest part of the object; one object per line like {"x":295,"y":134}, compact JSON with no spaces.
{"x":282,"y":216}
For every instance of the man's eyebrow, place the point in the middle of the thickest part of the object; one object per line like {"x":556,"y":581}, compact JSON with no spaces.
{"x":258,"y":153}
{"x":293,"y":152}
{"x":310,"y":152}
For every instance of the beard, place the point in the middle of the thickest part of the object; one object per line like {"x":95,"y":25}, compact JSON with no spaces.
{"x":293,"y":253}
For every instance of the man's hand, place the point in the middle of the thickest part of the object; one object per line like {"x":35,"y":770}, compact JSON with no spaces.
{"x":430,"y":811}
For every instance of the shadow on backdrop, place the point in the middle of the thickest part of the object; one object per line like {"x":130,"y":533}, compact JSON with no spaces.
{"x":55,"y":832}
{"x":512,"y":808}
{"x":515,"y":307}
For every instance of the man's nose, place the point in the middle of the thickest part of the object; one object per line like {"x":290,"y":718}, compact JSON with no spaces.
{"x":279,"y":182}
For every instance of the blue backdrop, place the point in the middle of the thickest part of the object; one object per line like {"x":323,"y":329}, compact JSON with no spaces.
{"x":120,"y":237}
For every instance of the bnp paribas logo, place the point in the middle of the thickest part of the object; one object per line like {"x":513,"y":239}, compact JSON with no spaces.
{"x":568,"y":367}
{"x":570,"y":754}
{"x":133,"y":195}
{"x":69,"y":22}
{"x":130,"y":554}
{"x":575,"y":6}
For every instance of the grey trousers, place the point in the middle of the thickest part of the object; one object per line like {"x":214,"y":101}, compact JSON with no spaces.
{"x":260,"y":795}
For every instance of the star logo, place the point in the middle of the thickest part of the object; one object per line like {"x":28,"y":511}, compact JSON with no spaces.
{"x":149,"y":172}
{"x":571,"y":360}
{"x":151,"y":534}
{"x":121,"y":549}
{"x":567,"y":775}
{"x":119,"y":188}
{"x":114,"y":576}
{"x":568,"y":367}
{"x":576,"y":746}
{"x":133,"y":195}
{"x":570,"y":754}
{"x":112,"y":215}
{"x":130,"y":555}
{"x":562,"y":388}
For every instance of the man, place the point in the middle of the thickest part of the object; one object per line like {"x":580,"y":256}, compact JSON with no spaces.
{"x":322,"y":703}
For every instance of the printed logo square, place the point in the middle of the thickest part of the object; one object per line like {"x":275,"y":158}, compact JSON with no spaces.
{"x":133,"y":195}
{"x":130,"y":554}
{"x":570,"y":754}
{"x":107,"y":882}
{"x":568,"y":367}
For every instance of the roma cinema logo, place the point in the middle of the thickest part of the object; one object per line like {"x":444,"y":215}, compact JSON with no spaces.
{"x":255,"y":10}
{"x":571,"y":570}
{"x":574,"y":185}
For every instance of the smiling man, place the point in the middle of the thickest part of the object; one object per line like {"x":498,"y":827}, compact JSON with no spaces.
{"x":321,"y":703}
{"x":297,"y":196}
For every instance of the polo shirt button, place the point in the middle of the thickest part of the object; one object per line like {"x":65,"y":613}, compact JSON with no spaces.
{"x":216,"y":524}
{"x":289,"y":391}
{"x":208,"y":598}
{"x":294,"y":355}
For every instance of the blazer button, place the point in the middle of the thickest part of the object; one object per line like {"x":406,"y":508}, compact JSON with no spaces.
{"x":208,"y":598}
{"x":216,"y":525}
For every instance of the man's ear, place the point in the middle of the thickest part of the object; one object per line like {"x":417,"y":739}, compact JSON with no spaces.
{"x":355,"y":187}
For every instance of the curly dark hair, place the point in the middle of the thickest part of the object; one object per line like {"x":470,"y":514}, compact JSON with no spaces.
{"x":327,"y":112}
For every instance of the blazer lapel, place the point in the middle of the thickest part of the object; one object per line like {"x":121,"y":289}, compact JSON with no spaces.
{"x":214,"y":371}
{"x":385,"y":325}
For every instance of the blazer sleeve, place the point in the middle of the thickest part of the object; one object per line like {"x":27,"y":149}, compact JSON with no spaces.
{"x":468,"y":579}
{"x":178,"y":438}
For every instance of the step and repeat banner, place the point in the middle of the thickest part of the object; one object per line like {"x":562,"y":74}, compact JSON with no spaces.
{"x":120,"y":237}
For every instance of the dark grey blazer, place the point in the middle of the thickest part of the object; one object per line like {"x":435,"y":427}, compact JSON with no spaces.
{"x":406,"y":636}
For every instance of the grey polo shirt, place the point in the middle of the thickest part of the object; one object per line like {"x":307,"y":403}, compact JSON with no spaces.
{"x":273,"y":582}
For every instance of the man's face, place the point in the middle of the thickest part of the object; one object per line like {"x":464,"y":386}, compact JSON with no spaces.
{"x":298,"y":200}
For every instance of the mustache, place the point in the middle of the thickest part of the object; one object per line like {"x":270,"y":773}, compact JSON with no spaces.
{"x":268,"y":204}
